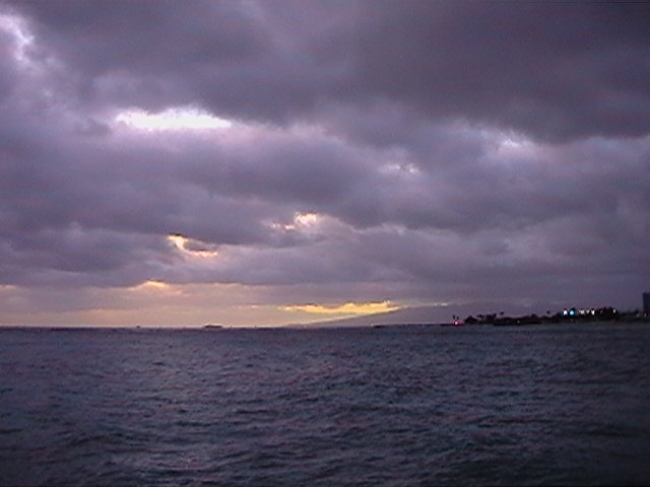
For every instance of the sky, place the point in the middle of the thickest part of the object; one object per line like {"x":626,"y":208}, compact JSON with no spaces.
{"x":251,"y":163}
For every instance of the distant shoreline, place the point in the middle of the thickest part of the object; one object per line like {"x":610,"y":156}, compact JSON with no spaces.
{"x":510,"y":323}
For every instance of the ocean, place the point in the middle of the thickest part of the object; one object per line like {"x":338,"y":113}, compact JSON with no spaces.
{"x":564,"y":404}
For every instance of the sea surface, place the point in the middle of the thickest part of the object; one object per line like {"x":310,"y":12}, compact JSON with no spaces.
{"x":397,"y":406}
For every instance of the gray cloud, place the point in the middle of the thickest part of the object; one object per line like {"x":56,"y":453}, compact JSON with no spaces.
{"x":379,"y":150}
{"x":554,"y":71}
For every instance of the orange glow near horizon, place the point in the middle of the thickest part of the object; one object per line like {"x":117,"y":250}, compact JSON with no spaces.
{"x":349,"y":308}
{"x":156,"y":303}
{"x":153,"y":285}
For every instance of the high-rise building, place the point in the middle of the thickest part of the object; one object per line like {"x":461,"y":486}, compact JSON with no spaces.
{"x":646,"y":303}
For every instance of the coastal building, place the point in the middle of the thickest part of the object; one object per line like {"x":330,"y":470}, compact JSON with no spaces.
{"x":646,"y":303}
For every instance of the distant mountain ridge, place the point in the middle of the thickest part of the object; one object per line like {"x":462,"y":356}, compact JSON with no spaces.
{"x":422,"y":315}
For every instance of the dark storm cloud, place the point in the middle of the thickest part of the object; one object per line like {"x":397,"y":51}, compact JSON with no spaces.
{"x":555,"y":71}
{"x":56,"y":207}
{"x":308,"y":169}
{"x":144,"y":52}
{"x":7,"y":75}
{"x":409,"y":149}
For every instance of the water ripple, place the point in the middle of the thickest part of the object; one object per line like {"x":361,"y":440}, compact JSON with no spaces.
{"x":378,"y":407}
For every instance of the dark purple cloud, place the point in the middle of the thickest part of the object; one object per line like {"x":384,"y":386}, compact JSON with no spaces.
{"x":414,"y":151}
{"x":554,"y":71}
